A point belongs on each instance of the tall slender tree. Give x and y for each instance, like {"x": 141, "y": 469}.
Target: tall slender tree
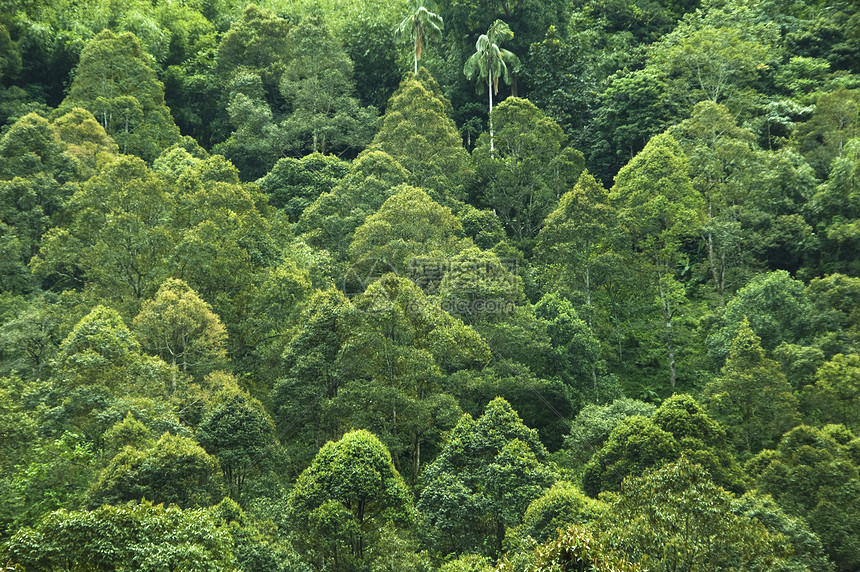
{"x": 420, "y": 25}
{"x": 490, "y": 62}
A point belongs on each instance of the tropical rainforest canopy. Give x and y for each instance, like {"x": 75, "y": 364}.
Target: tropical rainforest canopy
{"x": 386, "y": 285}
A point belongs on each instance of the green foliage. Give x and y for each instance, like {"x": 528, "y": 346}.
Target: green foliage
{"x": 575, "y": 548}
{"x": 419, "y": 27}
{"x": 813, "y": 476}
{"x": 634, "y": 445}
{"x": 181, "y": 329}
{"x": 679, "y": 427}
{"x": 408, "y": 226}
{"x": 256, "y": 43}
{"x": 833, "y": 397}
{"x": 29, "y": 147}
{"x": 752, "y": 398}
{"x": 544, "y": 404}
{"x": 660, "y": 210}
{"x": 418, "y": 132}
{"x": 805, "y": 551}
{"x": 294, "y": 184}
{"x": 318, "y": 85}
{"x": 424, "y": 283}
{"x": 575, "y": 244}
{"x": 575, "y": 356}
{"x": 240, "y": 434}
{"x": 341, "y": 501}
{"x": 633, "y": 108}
{"x": 476, "y": 285}
{"x": 525, "y": 168}
{"x": 561, "y": 83}
{"x": 116, "y": 83}
{"x": 98, "y": 352}
{"x": 558, "y": 508}
{"x": 116, "y": 238}
{"x": 175, "y": 470}
{"x": 483, "y": 481}
{"x": 774, "y": 305}
{"x": 834, "y": 122}
{"x": 677, "y": 518}
{"x": 709, "y": 62}
{"x": 330, "y": 221}
{"x": 594, "y": 424}
{"x": 127, "y": 433}
{"x": 490, "y": 63}
{"x": 131, "y": 537}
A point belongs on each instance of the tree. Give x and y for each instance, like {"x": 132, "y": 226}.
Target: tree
{"x": 180, "y": 328}
{"x": 116, "y": 83}
{"x": 833, "y": 397}
{"x": 835, "y": 208}
{"x": 85, "y": 139}
{"x": 116, "y": 238}
{"x": 575, "y": 244}
{"x": 175, "y": 470}
{"x": 376, "y": 71}
{"x": 478, "y": 286}
{"x": 490, "y": 62}
{"x": 342, "y": 500}
{"x": 141, "y": 536}
{"x": 813, "y": 474}
{"x": 99, "y": 351}
{"x": 834, "y": 301}
{"x": 256, "y": 43}
{"x": 574, "y": 548}
{"x": 660, "y": 210}
{"x": 10, "y": 57}
{"x": 805, "y": 551}
{"x": 420, "y": 26}
{"x": 530, "y": 168}
{"x": 318, "y": 85}
{"x": 575, "y": 356}
{"x": 483, "y": 480}
{"x": 634, "y": 107}
{"x": 836, "y": 120}
{"x": 294, "y": 184}
{"x": 676, "y": 518}
{"x": 30, "y": 147}
{"x": 711, "y": 62}
{"x": 679, "y": 427}
{"x": 635, "y": 444}
{"x": 400, "y": 348}
{"x": 330, "y": 221}
{"x": 722, "y": 161}
{"x": 776, "y": 308}
{"x": 594, "y": 424}
{"x": 240, "y": 434}
{"x": 407, "y": 227}
{"x": 752, "y": 398}
{"x": 558, "y": 508}
{"x": 561, "y": 81}
{"x": 418, "y": 132}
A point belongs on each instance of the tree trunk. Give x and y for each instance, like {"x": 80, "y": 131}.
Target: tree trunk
{"x": 490, "y": 115}
{"x": 588, "y": 317}
{"x": 712, "y": 262}
{"x": 670, "y": 344}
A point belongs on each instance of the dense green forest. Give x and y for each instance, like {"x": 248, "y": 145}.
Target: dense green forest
{"x": 393, "y": 286}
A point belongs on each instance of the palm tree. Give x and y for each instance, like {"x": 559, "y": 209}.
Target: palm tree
{"x": 490, "y": 61}
{"x": 420, "y": 26}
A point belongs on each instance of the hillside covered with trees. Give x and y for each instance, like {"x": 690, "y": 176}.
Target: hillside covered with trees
{"x": 400, "y": 286}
